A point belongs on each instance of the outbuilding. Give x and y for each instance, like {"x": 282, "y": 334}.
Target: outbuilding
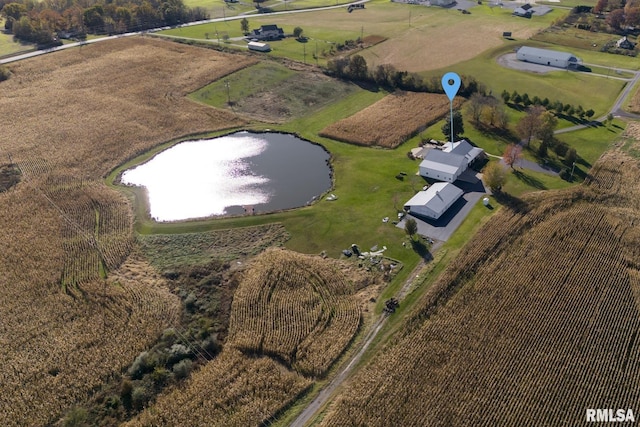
{"x": 260, "y": 47}
{"x": 434, "y": 201}
{"x": 442, "y": 166}
{"x": 547, "y": 57}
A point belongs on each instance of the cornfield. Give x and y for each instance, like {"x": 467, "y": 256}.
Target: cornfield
{"x": 289, "y": 311}
{"x": 535, "y": 322}
{"x": 392, "y": 120}
{"x": 296, "y": 309}
{"x": 77, "y": 303}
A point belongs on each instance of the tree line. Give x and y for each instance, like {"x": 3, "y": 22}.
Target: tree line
{"x": 355, "y": 68}
{"x": 46, "y": 22}
{"x": 554, "y": 106}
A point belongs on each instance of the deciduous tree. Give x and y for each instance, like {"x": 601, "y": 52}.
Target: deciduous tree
{"x": 511, "y": 155}
{"x": 297, "y": 32}
{"x": 494, "y": 175}
{"x": 244, "y": 26}
{"x": 411, "y": 227}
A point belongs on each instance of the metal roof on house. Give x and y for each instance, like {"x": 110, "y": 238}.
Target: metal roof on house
{"x": 546, "y": 53}
{"x": 438, "y": 198}
{"x": 463, "y": 148}
{"x": 446, "y": 162}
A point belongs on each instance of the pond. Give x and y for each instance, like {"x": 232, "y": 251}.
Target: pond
{"x": 236, "y": 174}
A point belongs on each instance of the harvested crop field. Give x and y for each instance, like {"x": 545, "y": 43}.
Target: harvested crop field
{"x": 392, "y": 120}
{"x": 536, "y": 321}
{"x": 77, "y": 304}
{"x": 88, "y": 109}
{"x": 292, "y": 316}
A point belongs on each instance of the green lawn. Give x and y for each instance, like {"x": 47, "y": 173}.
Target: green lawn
{"x": 564, "y": 86}
{"x": 262, "y": 76}
{"x": 9, "y": 47}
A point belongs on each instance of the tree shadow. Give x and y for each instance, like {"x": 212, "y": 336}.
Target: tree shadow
{"x": 529, "y": 180}
{"x": 421, "y": 249}
{"x": 511, "y": 202}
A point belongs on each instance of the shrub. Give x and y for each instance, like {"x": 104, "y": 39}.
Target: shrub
{"x": 139, "y": 397}
{"x": 182, "y": 369}
{"x": 561, "y": 149}
{"x": 4, "y": 73}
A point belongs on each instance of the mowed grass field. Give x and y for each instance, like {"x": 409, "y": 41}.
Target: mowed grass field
{"x": 419, "y": 38}
{"x": 564, "y": 86}
{"x": 504, "y": 325}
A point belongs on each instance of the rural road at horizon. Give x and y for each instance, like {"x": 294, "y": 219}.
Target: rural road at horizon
{"x": 153, "y": 30}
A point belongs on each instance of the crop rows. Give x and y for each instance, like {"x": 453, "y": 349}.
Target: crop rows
{"x": 530, "y": 335}
{"x": 390, "y": 121}
{"x": 292, "y": 315}
{"x": 58, "y": 348}
{"x": 231, "y": 390}
{"x": 289, "y": 306}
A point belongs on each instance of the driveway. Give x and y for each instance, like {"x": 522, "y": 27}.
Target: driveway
{"x": 442, "y": 228}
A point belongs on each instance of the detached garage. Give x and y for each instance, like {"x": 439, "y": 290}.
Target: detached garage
{"x": 547, "y": 57}
{"x": 435, "y": 201}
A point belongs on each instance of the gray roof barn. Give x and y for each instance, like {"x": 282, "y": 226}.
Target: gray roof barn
{"x": 552, "y": 58}
{"x": 463, "y": 148}
{"x": 435, "y": 201}
{"x": 438, "y": 159}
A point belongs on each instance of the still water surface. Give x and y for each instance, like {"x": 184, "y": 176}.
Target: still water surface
{"x": 232, "y": 175}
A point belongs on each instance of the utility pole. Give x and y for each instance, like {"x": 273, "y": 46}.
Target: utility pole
{"x": 226, "y": 83}
{"x": 304, "y": 53}
{"x": 572, "y": 169}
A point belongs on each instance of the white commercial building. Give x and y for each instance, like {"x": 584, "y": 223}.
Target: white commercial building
{"x": 547, "y": 57}
{"x": 435, "y": 201}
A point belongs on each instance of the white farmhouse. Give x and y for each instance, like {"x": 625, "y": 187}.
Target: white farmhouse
{"x": 547, "y": 57}
{"x": 442, "y": 166}
{"x": 463, "y": 148}
{"x": 435, "y": 201}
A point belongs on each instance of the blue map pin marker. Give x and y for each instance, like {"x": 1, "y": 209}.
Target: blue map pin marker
{"x": 451, "y": 84}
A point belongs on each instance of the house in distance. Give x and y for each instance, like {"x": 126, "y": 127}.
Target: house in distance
{"x": 267, "y": 32}
{"x": 625, "y": 43}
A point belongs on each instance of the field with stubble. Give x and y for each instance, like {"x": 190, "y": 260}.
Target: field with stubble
{"x": 76, "y": 305}
{"x": 519, "y": 331}
{"x": 392, "y": 120}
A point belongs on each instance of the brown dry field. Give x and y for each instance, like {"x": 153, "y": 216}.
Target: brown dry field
{"x": 292, "y": 316}
{"x": 85, "y": 110}
{"x": 519, "y": 331}
{"x": 390, "y": 121}
{"x": 67, "y": 119}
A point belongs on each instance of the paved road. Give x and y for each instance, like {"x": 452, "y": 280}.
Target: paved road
{"x": 137, "y": 33}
